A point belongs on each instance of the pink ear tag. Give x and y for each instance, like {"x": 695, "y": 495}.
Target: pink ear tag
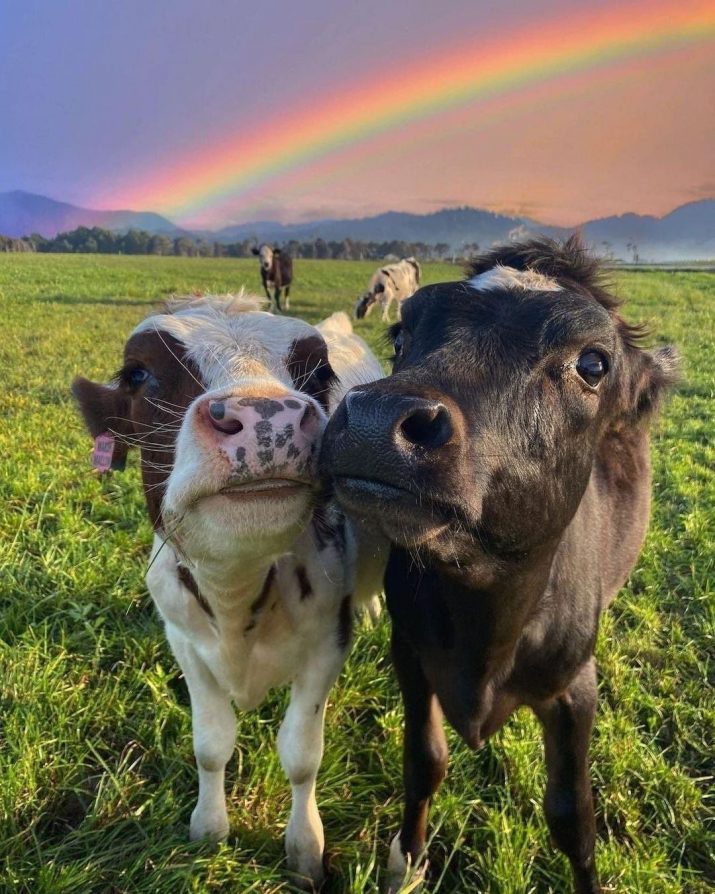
{"x": 103, "y": 452}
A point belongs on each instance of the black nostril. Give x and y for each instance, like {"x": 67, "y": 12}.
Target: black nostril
{"x": 429, "y": 426}
{"x": 217, "y": 418}
{"x": 227, "y": 426}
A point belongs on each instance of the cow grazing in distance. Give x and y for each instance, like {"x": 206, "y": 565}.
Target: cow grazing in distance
{"x": 391, "y": 282}
{"x": 253, "y": 573}
{"x": 507, "y": 460}
{"x": 276, "y": 274}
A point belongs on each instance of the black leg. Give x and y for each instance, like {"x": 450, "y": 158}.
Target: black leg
{"x": 287, "y": 296}
{"x": 567, "y": 722}
{"x": 277, "y": 299}
{"x": 425, "y": 752}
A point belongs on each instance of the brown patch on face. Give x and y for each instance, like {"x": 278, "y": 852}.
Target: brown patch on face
{"x": 310, "y": 368}
{"x": 172, "y": 384}
{"x": 154, "y": 388}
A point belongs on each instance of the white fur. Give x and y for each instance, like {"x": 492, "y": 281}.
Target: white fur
{"x": 239, "y": 654}
{"x": 399, "y": 281}
{"x": 265, "y": 256}
{"x": 500, "y": 277}
{"x": 230, "y": 338}
{"x": 401, "y": 875}
{"x": 351, "y": 358}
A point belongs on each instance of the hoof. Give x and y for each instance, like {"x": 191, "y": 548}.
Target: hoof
{"x": 208, "y": 827}
{"x": 306, "y": 867}
{"x": 307, "y": 877}
{"x": 402, "y": 876}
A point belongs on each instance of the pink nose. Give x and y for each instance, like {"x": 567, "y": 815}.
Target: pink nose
{"x": 262, "y": 436}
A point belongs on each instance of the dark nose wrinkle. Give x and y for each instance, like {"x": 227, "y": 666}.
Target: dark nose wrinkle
{"x": 307, "y": 415}
{"x": 350, "y": 399}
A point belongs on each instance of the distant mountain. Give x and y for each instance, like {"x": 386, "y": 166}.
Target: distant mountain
{"x": 22, "y": 213}
{"x": 687, "y": 233}
{"x": 454, "y": 226}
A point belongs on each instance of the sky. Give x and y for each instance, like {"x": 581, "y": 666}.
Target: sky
{"x": 220, "y": 112}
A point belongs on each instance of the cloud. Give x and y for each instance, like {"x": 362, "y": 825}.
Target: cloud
{"x": 516, "y": 209}
{"x": 703, "y": 191}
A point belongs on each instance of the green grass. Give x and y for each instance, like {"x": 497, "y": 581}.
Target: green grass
{"x": 98, "y": 779}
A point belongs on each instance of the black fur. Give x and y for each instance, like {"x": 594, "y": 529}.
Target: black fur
{"x": 515, "y": 495}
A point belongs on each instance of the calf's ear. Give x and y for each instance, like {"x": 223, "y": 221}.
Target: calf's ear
{"x": 254, "y": 250}
{"x": 105, "y": 409}
{"x": 655, "y": 374}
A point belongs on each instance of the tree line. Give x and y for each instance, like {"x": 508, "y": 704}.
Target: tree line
{"x": 96, "y": 240}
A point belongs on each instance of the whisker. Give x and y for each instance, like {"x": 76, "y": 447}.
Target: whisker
{"x": 178, "y": 359}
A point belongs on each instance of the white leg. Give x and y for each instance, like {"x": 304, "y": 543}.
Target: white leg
{"x": 214, "y": 730}
{"x": 400, "y": 873}
{"x": 300, "y": 745}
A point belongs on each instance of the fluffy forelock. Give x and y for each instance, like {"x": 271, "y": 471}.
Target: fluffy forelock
{"x": 568, "y": 265}
{"x": 229, "y": 303}
{"x": 230, "y": 337}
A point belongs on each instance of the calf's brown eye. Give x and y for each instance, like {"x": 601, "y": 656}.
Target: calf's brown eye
{"x": 592, "y": 366}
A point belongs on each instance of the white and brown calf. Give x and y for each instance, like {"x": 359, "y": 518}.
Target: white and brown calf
{"x": 252, "y": 572}
{"x": 393, "y": 282}
{"x": 276, "y": 274}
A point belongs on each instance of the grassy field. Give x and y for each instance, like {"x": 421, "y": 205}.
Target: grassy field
{"x": 96, "y": 767}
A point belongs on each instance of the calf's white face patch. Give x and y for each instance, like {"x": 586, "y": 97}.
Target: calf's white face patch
{"x": 500, "y": 277}
{"x": 246, "y": 446}
{"x": 234, "y": 344}
{"x": 265, "y": 255}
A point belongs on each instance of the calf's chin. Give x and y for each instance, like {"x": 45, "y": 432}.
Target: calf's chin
{"x": 265, "y": 525}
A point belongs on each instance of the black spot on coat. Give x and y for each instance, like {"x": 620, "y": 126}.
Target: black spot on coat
{"x": 260, "y": 600}
{"x": 306, "y": 589}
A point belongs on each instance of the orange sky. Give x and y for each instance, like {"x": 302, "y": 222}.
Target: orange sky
{"x": 96, "y": 106}
{"x": 640, "y": 137}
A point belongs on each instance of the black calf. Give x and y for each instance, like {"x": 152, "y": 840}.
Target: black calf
{"x": 507, "y": 461}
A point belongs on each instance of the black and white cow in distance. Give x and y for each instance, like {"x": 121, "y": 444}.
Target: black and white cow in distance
{"x": 276, "y": 273}
{"x": 507, "y": 460}
{"x": 253, "y": 574}
{"x": 391, "y": 282}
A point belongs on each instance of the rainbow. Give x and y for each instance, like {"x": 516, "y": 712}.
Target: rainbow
{"x": 239, "y": 166}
